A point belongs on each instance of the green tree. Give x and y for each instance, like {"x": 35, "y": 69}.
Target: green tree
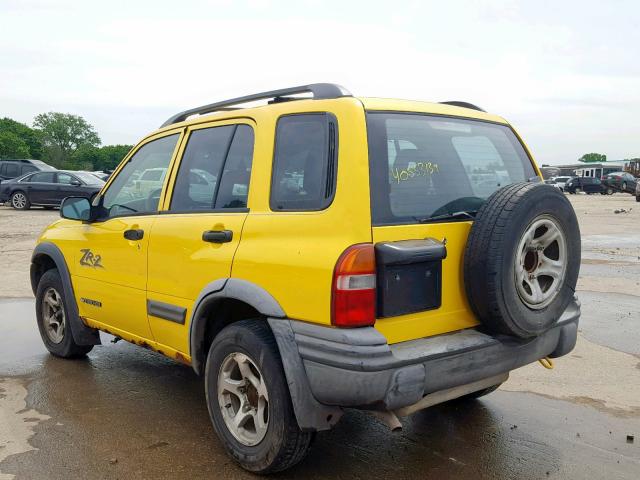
{"x": 62, "y": 134}
{"x": 113, "y": 155}
{"x": 29, "y": 136}
{"x": 12, "y": 146}
{"x": 593, "y": 158}
{"x": 86, "y": 157}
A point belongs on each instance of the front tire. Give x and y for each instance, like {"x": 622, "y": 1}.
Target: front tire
{"x": 249, "y": 402}
{"x": 52, "y": 314}
{"x": 20, "y": 201}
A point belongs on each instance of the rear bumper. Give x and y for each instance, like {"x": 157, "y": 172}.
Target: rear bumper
{"x": 357, "y": 368}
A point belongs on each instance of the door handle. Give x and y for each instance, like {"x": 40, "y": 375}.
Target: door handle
{"x": 134, "y": 234}
{"x": 217, "y": 236}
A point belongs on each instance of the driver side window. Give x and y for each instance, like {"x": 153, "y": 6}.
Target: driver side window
{"x": 137, "y": 187}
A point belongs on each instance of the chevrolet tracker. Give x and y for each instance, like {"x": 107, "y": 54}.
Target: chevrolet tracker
{"x": 317, "y": 253}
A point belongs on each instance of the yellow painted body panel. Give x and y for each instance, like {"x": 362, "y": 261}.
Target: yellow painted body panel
{"x": 454, "y": 313}
{"x": 181, "y": 265}
{"x": 119, "y": 284}
{"x": 291, "y": 255}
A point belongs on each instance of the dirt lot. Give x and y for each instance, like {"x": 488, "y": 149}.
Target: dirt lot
{"x": 580, "y": 420}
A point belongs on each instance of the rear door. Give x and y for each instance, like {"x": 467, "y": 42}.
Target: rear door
{"x": 195, "y": 237}
{"x": 429, "y": 176}
{"x": 39, "y": 187}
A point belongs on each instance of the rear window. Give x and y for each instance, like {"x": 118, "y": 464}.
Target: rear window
{"x": 424, "y": 166}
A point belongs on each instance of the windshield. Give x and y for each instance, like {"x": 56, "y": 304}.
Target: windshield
{"x": 424, "y": 166}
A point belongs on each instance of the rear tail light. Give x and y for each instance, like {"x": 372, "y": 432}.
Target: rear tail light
{"x": 354, "y": 287}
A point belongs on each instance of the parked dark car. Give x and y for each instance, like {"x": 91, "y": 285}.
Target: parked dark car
{"x": 587, "y": 185}
{"x": 48, "y": 188}
{"x": 619, "y": 182}
{"x": 16, "y": 168}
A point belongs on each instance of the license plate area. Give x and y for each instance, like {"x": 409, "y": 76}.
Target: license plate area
{"x": 409, "y": 277}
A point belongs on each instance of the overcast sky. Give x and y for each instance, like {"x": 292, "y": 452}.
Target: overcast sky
{"x": 565, "y": 73}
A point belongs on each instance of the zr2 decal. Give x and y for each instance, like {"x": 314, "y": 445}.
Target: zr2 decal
{"x": 89, "y": 259}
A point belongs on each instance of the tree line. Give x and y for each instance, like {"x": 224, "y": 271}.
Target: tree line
{"x": 62, "y": 140}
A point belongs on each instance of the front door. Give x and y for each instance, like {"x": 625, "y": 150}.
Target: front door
{"x": 68, "y": 186}
{"x": 111, "y": 270}
{"x": 194, "y": 240}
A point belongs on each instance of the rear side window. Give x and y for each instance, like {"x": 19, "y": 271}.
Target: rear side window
{"x": 42, "y": 177}
{"x": 215, "y": 169}
{"x": 304, "y": 168}
{"x": 11, "y": 170}
{"x": 28, "y": 169}
{"x": 424, "y": 166}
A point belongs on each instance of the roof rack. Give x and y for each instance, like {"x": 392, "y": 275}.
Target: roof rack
{"x": 456, "y": 103}
{"x": 319, "y": 91}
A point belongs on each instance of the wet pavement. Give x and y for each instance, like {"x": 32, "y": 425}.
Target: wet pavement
{"x": 126, "y": 412}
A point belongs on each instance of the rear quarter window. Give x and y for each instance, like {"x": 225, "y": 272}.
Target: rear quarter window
{"x": 304, "y": 165}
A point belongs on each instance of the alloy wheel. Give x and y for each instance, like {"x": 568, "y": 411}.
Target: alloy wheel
{"x": 53, "y": 317}
{"x": 19, "y": 200}
{"x": 243, "y": 398}
{"x": 541, "y": 262}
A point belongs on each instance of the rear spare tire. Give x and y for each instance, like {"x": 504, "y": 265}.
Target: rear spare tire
{"x": 522, "y": 259}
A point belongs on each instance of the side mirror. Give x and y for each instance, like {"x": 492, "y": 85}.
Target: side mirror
{"x": 76, "y": 208}
{"x": 75, "y": 183}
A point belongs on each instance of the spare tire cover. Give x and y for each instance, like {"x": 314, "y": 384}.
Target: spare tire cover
{"x": 522, "y": 259}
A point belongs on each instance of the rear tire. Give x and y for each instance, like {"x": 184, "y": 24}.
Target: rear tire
{"x": 52, "y": 314}
{"x": 20, "y": 201}
{"x": 244, "y": 376}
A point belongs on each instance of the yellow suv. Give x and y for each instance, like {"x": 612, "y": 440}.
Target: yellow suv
{"x": 316, "y": 253}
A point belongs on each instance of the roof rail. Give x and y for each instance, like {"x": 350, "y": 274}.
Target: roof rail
{"x": 319, "y": 91}
{"x": 456, "y": 103}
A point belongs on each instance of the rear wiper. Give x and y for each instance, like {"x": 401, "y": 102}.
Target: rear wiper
{"x": 449, "y": 216}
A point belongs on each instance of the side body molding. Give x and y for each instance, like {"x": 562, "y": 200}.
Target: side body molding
{"x": 82, "y": 334}
{"x": 222, "y": 289}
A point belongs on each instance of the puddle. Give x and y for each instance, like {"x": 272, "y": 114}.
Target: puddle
{"x": 17, "y": 423}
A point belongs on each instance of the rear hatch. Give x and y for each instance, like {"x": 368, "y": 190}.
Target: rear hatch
{"x": 429, "y": 176}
